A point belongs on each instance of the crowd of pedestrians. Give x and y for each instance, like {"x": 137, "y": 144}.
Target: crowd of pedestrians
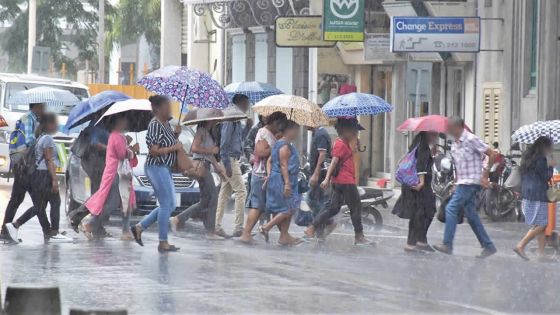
{"x": 273, "y": 193}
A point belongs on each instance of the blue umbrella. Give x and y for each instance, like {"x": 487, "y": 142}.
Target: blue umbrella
{"x": 355, "y": 104}
{"x": 256, "y": 91}
{"x": 54, "y": 98}
{"x": 188, "y": 86}
{"x": 88, "y": 109}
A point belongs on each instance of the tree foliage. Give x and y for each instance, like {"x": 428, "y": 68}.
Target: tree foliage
{"x": 132, "y": 19}
{"x": 59, "y": 23}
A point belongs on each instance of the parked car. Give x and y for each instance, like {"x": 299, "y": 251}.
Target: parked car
{"x": 187, "y": 190}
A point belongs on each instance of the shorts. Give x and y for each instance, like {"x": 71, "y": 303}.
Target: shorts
{"x": 257, "y": 196}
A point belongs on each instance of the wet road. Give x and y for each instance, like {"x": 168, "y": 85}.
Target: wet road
{"x": 333, "y": 277}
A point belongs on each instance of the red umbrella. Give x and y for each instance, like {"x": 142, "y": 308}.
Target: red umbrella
{"x": 436, "y": 123}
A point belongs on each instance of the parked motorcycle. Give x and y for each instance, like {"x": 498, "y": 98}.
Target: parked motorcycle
{"x": 501, "y": 202}
{"x": 443, "y": 174}
{"x": 371, "y": 199}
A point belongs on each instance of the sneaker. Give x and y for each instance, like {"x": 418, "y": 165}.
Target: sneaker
{"x": 59, "y": 238}
{"x": 12, "y": 231}
{"x": 363, "y": 242}
{"x": 443, "y": 248}
{"x": 487, "y": 252}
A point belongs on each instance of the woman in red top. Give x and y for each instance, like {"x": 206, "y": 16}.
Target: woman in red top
{"x": 341, "y": 173}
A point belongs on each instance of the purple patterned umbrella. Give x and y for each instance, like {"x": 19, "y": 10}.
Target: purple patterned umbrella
{"x": 188, "y": 86}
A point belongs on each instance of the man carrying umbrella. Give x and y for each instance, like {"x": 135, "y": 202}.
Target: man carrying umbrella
{"x": 231, "y": 150}
{"x": 26, "y": 126}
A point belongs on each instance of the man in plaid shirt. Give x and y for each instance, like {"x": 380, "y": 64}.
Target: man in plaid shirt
{"x": 468, "y": 153}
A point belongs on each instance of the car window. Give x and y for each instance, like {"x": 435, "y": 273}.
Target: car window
{"x": 186, "y": 138}
{"x": 13, "y": 88}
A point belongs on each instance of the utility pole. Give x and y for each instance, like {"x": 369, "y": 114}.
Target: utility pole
{"x": 101, "y": 42}
{"x": 31, "y": 34}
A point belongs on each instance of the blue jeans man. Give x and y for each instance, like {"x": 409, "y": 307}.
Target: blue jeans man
{"x": 464, "y": 197}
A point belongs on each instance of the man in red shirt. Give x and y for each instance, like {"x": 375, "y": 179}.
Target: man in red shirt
{"x": 341, "y": 174}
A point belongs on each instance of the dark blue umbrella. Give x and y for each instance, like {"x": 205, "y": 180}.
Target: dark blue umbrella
{"x": 88, "y": 109}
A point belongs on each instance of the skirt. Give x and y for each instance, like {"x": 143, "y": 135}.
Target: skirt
{"x": 536, "y": 212}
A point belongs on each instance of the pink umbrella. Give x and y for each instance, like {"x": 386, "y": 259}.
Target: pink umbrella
{"x": 434, "y": 123}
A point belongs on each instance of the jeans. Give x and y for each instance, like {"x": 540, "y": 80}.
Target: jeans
{"x": 233, "y": 184}
{"x": 464, "y": 197}
{"x": 207, "y": 203}
{"x": 162, "y": 182}
{"x": 341, "y": 193}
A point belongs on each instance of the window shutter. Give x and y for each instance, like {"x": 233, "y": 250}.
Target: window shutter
{"x": 492, "y": 106}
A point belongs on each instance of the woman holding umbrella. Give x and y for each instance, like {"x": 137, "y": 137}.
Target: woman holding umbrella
{"x": 108, "y": 197}
{"x": 163, "y": 146}
{"x": 204, "y": 150}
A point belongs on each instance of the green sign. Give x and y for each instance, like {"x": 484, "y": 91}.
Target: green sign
{"x": 343, "y": 20}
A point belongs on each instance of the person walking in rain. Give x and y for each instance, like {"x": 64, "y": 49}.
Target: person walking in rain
{"x": 45, "y": 184}
{"x": 93, "y": 162}
{"x": 112, "y": 194}
{"x": 468, "y": 153}
{"x": 231, "y": 151}
{"x": 320, "y": 153}
{"x": 204, "y": 149}
{"x": 344, "y": 189}
{"x": 27, "y": 123}
{"x": 418, "y": 203}
{"x": 163, "y": 145}
{"x": 256, "y": 202}
{"x": 537, "y": 167}
{"x": 282, "y": 196}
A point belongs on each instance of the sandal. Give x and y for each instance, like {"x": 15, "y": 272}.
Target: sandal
{"x": 264, "y": 233}
{"x": 137, "y": 233}
{"x": 521, "y": 254}
{"x": 171, "y": 248}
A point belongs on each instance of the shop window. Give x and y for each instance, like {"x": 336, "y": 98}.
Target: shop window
{"x": 238, "y": 58}
{"x": 261, "y": 57}
{"x": 284, "y": 70}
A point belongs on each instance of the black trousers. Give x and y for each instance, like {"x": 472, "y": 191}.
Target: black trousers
{"x": 341, "y": 194}
{"x": 418, "y": 230}
{"x": 41, "y": 193}
{"x": 94, "y": 166}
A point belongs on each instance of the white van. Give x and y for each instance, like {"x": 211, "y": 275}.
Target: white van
{"x": 10, "y": 84}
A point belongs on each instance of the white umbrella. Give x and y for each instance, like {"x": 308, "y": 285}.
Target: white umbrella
{"x": 140, "y": 109}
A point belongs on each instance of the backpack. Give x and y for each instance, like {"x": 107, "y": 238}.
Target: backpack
{"x": 18, "y": 145}
{"x": 406, "y": 172}
{"x": 27, "y": 164}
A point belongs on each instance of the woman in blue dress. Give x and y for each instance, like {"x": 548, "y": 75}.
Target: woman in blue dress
{"x": 282, "y": 185}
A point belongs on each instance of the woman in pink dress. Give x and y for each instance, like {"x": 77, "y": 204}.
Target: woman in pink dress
{"x": 116, "y": 188}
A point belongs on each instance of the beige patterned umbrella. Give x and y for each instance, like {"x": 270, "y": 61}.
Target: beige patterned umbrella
{"x": 296, "y": 108}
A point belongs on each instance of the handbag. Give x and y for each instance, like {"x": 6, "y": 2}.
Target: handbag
{"x": 553, "y": 194}
{"x": 441, "y": 211}
{"x": 406, "y": 172}
{"x": 183, "y": 162}
{"x": 197, "y": 169}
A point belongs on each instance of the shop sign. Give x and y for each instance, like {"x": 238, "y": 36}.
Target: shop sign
{"x": 435, "y": 34}
{"x": 300, "y": 31}
{"x": 378, "y": 47}
{"x": 343, "y": 20}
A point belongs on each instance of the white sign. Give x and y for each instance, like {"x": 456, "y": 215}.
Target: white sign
{"x": 429, "y": 34}
{"x": 377, "y": 47}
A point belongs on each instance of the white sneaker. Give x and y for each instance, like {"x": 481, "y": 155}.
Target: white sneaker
{"x": 12, "y": 232}
{"x": 59, "y": 238}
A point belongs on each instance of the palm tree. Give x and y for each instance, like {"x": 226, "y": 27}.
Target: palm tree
{"x": 58, "y": 24}
{"x": 132, "y": 19}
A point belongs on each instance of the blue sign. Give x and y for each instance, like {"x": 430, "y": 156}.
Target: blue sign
{"x": 435, "y": 34}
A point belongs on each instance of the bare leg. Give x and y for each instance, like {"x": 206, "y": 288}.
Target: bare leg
{"x": 531, "y": 234}
{"x": 541, "y": 242}
{"x": 252, "y": 219}
{"x": 276, "y": 220}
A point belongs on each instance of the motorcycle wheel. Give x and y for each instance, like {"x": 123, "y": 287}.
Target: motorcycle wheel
{"x": 499, "y": 203}
{"x": 372, "y": 217}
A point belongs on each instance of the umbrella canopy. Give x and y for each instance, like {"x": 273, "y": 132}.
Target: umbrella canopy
{"x": 530, "y": 133}
{"x": 355, "y": 104}
{"x": 90, "y": 108}
{"x": 212, "y": 114}
{"x": 188, "y": 86}
{"x": 139, "y": 112}
{"x": 51, "y": 96}
{"x": 256, "y": 91}
{"x": 296, "y": 108}
{"x": 435, "y": 123}
{"x": 234, "y": 113}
